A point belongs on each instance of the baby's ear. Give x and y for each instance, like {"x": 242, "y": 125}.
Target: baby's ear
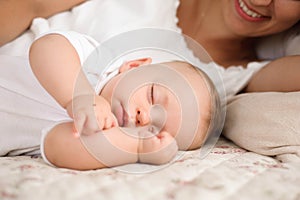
{"x": 134, "y": 63}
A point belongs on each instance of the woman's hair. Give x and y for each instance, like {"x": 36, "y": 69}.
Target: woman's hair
{"x": 294, "y": 30}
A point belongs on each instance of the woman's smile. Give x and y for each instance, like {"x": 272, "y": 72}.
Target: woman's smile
{"x": 247, "y": 13}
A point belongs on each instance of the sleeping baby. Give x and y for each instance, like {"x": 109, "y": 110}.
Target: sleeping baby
{"x": 143, "y": 112}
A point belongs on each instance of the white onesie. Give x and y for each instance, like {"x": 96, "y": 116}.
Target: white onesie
{"x": 26, "y": 109}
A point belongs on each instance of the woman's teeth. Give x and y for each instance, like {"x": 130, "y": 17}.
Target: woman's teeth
{"x": 249, "y": 12}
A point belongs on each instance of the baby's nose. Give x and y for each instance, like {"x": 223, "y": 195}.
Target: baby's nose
{"x": 142, "y": 117}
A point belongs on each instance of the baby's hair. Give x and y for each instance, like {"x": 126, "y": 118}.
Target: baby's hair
{"x": 215, "y": 118}
{"x": 215, "y": 121}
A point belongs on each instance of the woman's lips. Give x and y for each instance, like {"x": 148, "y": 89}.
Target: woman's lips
{"x": 248, "y": 14}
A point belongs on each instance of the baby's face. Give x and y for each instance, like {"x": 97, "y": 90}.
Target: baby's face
{"x": 140, "y": 102}
{"x": 134, "y": 110}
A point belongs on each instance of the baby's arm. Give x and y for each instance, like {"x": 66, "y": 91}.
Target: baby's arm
{"x": 63, "y": 149}
{"x": 57, "y": 66}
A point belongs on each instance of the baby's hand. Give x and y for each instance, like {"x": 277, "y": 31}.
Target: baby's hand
{"x": 157, "y": 149}
{"x": 91, "y": 113}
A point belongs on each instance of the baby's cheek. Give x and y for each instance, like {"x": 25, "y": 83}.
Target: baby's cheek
{"x": 172, "y": 125}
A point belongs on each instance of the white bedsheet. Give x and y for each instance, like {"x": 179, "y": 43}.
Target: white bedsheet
{"x": 228, "y": 172}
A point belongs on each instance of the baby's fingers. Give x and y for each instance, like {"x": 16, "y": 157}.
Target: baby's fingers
{"x": 86, "y": 125}
{"x": 110, "y": 122}
{"x": 79, "y": 121}
{"x": 92, "y": 125}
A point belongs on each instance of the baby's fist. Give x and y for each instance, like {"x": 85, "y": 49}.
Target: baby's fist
{"x": 157, "y": 149}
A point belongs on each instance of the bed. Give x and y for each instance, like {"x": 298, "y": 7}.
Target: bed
{"x": 227, "y": 172}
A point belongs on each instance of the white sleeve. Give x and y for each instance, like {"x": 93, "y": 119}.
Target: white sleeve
{"x": 83, "y": 44}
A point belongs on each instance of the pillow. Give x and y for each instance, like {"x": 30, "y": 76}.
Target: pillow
{"x": 266, "y": 123}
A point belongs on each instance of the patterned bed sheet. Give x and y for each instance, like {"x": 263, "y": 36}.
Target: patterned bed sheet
{"x": 228, "y": 172}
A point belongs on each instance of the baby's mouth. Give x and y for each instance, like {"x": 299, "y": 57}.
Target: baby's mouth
{"x": 125, "y": 117}
{"x": 122, "y": 116}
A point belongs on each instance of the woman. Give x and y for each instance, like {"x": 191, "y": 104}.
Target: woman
{"x": 229, "y": 29}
